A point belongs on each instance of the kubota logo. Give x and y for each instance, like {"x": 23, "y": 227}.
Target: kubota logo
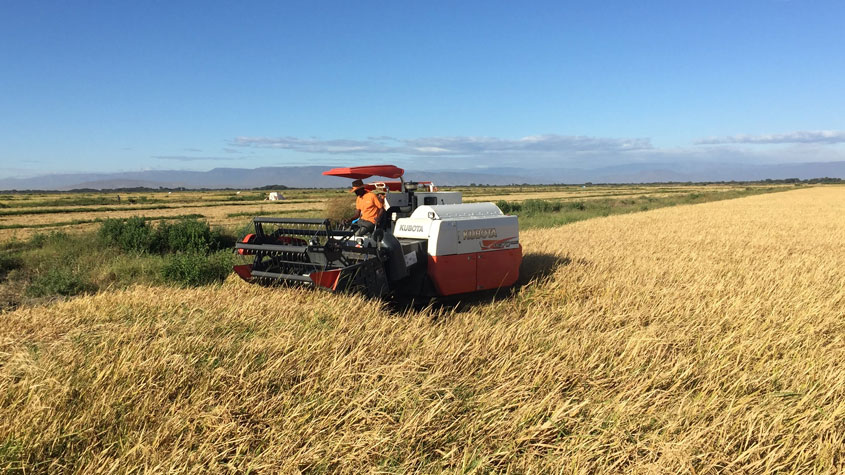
{"x": 411, "y": 228}
{"x": 483, "y": 233}
{"x": 499, "y": 244}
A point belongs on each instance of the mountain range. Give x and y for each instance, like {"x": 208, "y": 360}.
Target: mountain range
{"x": 311, "y": 176}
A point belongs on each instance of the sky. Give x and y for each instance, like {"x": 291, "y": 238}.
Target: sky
{"x": 90, "y": 86}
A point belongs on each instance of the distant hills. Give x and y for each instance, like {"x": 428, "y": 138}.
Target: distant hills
{"x": 311, "y": 176}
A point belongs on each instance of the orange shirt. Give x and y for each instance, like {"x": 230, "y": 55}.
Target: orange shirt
{"x": 369, "y": 205}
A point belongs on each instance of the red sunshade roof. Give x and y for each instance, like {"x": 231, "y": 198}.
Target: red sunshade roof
{"x": 367, "y": 171}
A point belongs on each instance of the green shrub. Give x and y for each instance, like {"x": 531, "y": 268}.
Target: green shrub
{"x": 8, "y": 262}
{"x": 534, "y": 206}
{"x": 58, "y": 281}
{"x": 56, "y": 239}
{"x": 507, "y": 207}
{"x": 37, "y": 240}
{"x": 192, "y": 235}
{"x": 540, "y": 206}
{"x": 132, "y": 235}
{"x": 186, "y": 235}
{"x": 191, "y": 269}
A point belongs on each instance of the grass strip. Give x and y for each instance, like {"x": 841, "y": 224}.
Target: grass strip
{"x": 273, "y": 214}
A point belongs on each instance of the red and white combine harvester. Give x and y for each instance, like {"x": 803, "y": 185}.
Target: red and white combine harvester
{"x": 427, "y": 244}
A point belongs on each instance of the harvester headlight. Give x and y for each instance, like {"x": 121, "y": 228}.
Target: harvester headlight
{"x": 410, "y": 186}
{"x": 431, "y": 215}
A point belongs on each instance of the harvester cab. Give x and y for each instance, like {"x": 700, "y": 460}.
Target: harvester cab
{"x": 428, "y": 243}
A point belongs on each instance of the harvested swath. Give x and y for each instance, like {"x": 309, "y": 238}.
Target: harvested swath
{"x": 210, "y": 212}
{"x": 35, "y": 210}
{"x": 700, "y": 339}
{"x": 14, "y": 233}
{"x": 17, "y": 201}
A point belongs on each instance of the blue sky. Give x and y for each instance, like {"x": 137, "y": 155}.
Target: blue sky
{"x": 121, "y": 86}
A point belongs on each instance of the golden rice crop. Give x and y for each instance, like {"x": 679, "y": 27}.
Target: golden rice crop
{"x": 693, "y": 339}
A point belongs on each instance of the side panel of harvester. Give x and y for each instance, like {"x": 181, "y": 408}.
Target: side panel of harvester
{"x": 470, "y": 246}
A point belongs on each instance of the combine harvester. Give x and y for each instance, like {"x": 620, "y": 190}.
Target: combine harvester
{"x": 427, "y": 244}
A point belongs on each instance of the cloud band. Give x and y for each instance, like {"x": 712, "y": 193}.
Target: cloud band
{"x": 800, "y": 137}
{"x": 450, "y": 146}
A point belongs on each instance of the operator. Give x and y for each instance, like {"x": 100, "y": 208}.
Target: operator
{"x": 368, "y": 209}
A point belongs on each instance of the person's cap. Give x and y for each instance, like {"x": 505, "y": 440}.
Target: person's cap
{"x": 356, "y": 185}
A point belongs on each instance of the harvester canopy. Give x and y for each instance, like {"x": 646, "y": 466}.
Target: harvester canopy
{"x": 361, "y": 173}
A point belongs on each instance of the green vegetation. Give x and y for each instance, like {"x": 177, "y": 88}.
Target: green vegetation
{"x": 194, "y": 269}
{"x": 247, "y": 197}
{"x": 187, "y": 235}
{"x": 122, "y": 252}
{"x": 8, "y": 263}
{"x": 535, "y": 213}
{"x": 58, "y": 281}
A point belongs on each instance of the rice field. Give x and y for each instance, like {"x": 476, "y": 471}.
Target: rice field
{"x": 18, "y": 221}
{"x": 693, "y": 339}
{"x": 25, "y": 214}
{"x": 595, "y": 192}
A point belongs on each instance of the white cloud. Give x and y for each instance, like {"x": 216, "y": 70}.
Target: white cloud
{"x": 545, "y": 150}
{"x": 798, "y": 137}
{"x": 461, "y": 146}
{"x": 191, "y": 158}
